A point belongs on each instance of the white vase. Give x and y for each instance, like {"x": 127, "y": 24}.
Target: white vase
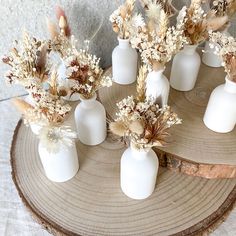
{"x": 63, "y": 81}
{"x": 35, "y": 128}
{"x": 124, "y": 63}
{"x": 185, "y": 68}
{"x": 138, "y": 172}
{"x": 220, "y": 115}
{"x": 90, "y": 120}
{"x": 209, "y": 57}
{"x": 158, "y": 87}
{"x": 60, "y": 166}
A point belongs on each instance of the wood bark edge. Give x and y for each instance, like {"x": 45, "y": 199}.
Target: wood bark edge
{"x": 181, "y": 165}
{"x": 202, "y": 228}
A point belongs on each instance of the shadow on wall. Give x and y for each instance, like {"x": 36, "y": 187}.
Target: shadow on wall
{"x": 87, "y": 17}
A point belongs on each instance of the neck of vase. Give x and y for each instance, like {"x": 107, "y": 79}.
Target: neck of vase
{"x": 139, "y": 154}
{"x": 123, "y": 43}
{"x": 88, "y": 103}
{"x": 190, "y": 49}
{"x": 230, "y": 86}
{"x": 156, "y": 75}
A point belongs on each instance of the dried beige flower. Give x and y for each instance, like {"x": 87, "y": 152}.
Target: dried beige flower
{"x": 144, "y": 123}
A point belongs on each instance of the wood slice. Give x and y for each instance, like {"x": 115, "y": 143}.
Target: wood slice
{"x": 92, "y": 202}
{"x": 195, "y": 150}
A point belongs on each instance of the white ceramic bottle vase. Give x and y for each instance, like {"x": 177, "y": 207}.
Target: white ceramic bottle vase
{"x": 124, "y": 63}
{"x": 220, "y": 115}
{"x": 60, "y": 166}
{"x": 138, "y": 172}
{"x": 209, "y": 57}
{"x": 185, "y": 68}
{"x": 90, "y": 120}
{"x": 158, "y": 87}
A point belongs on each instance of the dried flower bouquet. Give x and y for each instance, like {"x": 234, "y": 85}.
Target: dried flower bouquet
{"x": 224, "y": 7}
{"x": 225, "y": 47}
{"x": 141, "y": 120}
{"x": 156, "y": 40}
{"x": 169, "y": 9}
{"x": 85, "y": 74}
{"x": 124, "y": 21}
{"x": 47, "y": 107}
{"x": 197, "y": 23}
{"x": 61, "y": 41}
{"x": 28, "y": 61}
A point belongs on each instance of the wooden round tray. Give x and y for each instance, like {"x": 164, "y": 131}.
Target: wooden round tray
{"x": 195, "y": 150}
{"x": 92, "y": 202}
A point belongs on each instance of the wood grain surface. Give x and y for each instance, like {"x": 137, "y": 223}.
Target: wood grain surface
{"x": 92, "y": 203}
{"x": 195, "y": 150}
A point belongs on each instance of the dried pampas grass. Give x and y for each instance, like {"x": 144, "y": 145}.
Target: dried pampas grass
{"x": 137, "y": 127}
{"x": 215, "y": 23}
{"x": 118, "y": 128}
{"x": 21, "y": 105}
{"x": 52, "y": 29}
{"x": 63, "y": 22}
{"x": 141, "y": 83}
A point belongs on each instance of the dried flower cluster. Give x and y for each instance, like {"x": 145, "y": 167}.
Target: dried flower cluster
{"x": 141, "y": 120}
{"x": 225, "y": 47}
{"x": 169, "y": 9}
{"x": 124, "y": 22}
{"x": 198, "y": 23}
{"x": 46, "y": 107}
{"x": 52, "y": 137}
{"x": 224, "y": 7}
{"x": 28, "y": 60}
{"x": 85, "y": 74}
{"x": 156, "y": 41}
{"x": 61, "y": 40}
{"x": 144, "y": 123}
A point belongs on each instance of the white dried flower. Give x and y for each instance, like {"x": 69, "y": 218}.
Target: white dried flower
{"x": 53, "y": 138}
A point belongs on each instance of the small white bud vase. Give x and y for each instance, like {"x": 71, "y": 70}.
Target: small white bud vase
{"x": 60, "y": 166}
{"x": 220, "y": 115}
{"x": 185, "y": 68}
{"x": 35, "y": 128}
{"x": 158, "y": 87}
{"x": 90, "y": 119}
{"x": 124, "y": 63}
{"x": 138, "y": 172}
{"x": 209, "y": 57}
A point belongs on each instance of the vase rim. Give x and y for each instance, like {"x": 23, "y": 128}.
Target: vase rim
{"x": 133, "y": 148}
{"x": 229, "y": 80}
{"x": 159, "y": 71}
{"x": 93, "y": 98}
{"x": 191, "y": 45}
{"x": 123, "y": 40}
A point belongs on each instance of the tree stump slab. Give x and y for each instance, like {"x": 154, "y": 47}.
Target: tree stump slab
{"x": 195, "y": 150}
{"x": 92, "y": 203}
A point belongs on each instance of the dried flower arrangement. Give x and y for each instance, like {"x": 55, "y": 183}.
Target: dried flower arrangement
{"x": 142, "y": 121}
{"x": 198, "y": 23}
{"x": 52, "y": 137}
{"x": 47, "y": 107}
{"x": 224, "y": 7}
{"x": 85, "y": 74}
{"x": 61, "y": 41}
{"x": 169, "y": 9}
{"x": 156, "y": 40}
{"x": 28, "y": 60}
{"x": 124, "y": 22}
{"x": 225, "y": 47}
